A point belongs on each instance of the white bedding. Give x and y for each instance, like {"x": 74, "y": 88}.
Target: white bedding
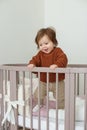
{"x": 52, "y": 126}
{"x": 52, "y": 113}
{"x": 79, "y": 124}
{"x": 79, "y": 102}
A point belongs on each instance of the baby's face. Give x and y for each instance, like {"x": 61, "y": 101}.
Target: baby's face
{"x": 45, "y": 44}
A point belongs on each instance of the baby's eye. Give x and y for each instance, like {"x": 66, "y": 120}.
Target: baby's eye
{"x": 46, "y": 43}
{"x": 40, "y": 45}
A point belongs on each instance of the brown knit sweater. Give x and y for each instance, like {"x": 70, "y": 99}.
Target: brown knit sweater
{"x": 57, "y": 56}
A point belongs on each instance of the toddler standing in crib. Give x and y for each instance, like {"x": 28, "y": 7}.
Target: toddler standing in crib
{"x": 51, "y": 56}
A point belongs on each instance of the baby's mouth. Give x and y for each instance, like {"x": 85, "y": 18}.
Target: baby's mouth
{"x": 46, "y": 50}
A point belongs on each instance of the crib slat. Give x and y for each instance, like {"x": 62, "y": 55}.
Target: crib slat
{"x": 39, "y": 123}
{"x": 5, "y": 77}
{"x": 31, "y": 117}
{"x": 1, "y": 98}
{"x": 85, "y": 121}
{"x": 47, "y": 101}
{"x": 13, "y": 95}
{"x": 67, "y": 102}
{"x": 57, "y": 126}
{"x": 72, "y": 101}
{"x": 23, "y": 99}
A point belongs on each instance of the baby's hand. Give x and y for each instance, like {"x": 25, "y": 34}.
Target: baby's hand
{"x": 53, "y": 66}
{"x": 31, "y": 66}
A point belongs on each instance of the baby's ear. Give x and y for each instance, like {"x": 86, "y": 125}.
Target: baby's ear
{"x": 54, "y": 45}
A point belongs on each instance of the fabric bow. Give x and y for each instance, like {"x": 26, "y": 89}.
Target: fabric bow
{"x": 10, "y": 110}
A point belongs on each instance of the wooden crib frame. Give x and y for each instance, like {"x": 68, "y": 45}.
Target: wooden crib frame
{"x": 72, "y": 73}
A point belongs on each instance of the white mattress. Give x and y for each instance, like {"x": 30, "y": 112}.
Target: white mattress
{"x": 52, "y": 126}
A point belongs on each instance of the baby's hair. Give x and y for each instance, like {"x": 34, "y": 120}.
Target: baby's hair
{"x": 50, "y": 32}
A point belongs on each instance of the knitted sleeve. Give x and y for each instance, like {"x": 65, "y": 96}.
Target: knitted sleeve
{"x": 61, "y": 58}
{"x": 35, "y": 60}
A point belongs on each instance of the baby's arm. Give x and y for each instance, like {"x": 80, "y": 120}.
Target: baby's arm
{"x": 31, "y": 66}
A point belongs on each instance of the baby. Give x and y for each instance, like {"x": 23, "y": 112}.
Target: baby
{"x": 51, "y": 56}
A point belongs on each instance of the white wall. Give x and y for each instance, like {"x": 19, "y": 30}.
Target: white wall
{"x": 69, "y": 17}
{"x": 19, "y": 22}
